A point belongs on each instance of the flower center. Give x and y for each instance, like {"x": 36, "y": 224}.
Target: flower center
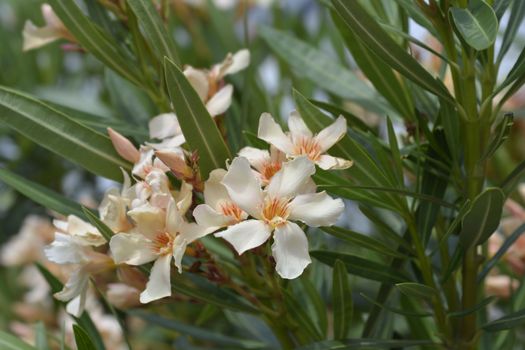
{"x": 269, "y": 170}
{"x": 232, "y": 210}
{"x": 307, "y": 146}
{"x": 163, "y": 243}
{"x": 275, "y": 211}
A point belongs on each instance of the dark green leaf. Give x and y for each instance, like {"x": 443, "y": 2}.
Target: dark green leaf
{"x": 509, "y": 241}
{"x": 378, "y": 41}
{"x": 475, "y": 308}
{"x": 416, "y": 290}
{"x": 342, "y": 302}
{"x": 82, "y": 339}
{"x": 350, "y": 344}
{"x": 483, "y": 218}
{"x": 306, "y": 324}
{"x": 396, "y": 310}
{"x": 378, "y": 72}
{"x": 41, "y": 195}
{"x": 500, "y": 135}
{"x": 352, "y": 120}
{"x": 477, "y": 24}
{"x": 510, "y": 321}
{"x": 363, "y": 241}
{"x": 196, "y": 332}
{"x": 57, "y": 132}
{"x": 361, "y": 267}
{"x": 197, "y": 125}
{"x": 316, "y": 304}
{"x": 93, "y": 38}
{"x": 154, "y": 30}
{"x": 327, "y": 74}
{"x": 104, "y": 230}
{"x": 517, "y": 13}
{"x": 511, "y": 181}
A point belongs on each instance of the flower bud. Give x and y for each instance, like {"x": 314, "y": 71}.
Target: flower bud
{"x": 123, "y": 146}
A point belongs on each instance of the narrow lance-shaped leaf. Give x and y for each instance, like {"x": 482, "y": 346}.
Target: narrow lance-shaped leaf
{"x": 517, "y": 13}
{"x": 154, "y": 30}
{"x": 93, "y": 38}
{"x": 104, "y": 230}
{"x": 417, "y": 290}
{"x": 341, "y": 301}
{"x": 361, "y": 267}
{"x": 511, "y": 181}
{"x": 41, "y": 195}
{"x": 11, "y": 342}
{"x": 57, "y": 132}
{"x": 477, "y": 24}
{"x": 378, "y": 72}
{"x": 197, "y": 125}
{"x": 372, "y": 35}
{"x": 483, "y": 217}
{"x": 313, "y": 64}
{"x": 510, "y": 321}
{"x": 82, "y": 339}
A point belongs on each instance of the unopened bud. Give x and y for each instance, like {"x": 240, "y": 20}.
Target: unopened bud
{"x": 123, "y": 146}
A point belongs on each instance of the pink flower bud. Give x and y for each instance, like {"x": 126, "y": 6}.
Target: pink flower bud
{"x": 123, "y": 146}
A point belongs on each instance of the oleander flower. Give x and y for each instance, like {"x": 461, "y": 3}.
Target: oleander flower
{"x": 159, "y": 236}
{"x": 219, "y": 210}
{"x": 114, "y": 206}
{"x": 210, "y": 87}
{"x": 275, "y": 210}
{"x": 147, "y": 163}
{"x": 36, "y": 37}
{"x": 266, "y": 163}
{"x": 73, "y": 245}
{"x": 301, "y": 141}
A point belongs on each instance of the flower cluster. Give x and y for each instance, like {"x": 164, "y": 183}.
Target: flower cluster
{"x": 164, "y": 206}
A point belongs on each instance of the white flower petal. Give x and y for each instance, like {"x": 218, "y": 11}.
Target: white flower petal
{"x": 256, "y": 157}
{"x": 150, "y": 220}
{"x": 75, "y": 285}
{"x": 246, "y": 235}
{"x": 290, "y": 250}
{"x": 316, "y": 209}
{"x": 168, "y": 143}
{"x": 77, "y": 305}
{"x": 240, "y": 60}
{"x": 131, "y": 248}
{"x": 145, "y": 163}
{"x": 214, "y": 191}
{"x": 35, "y": 37}
{"x": 65, "y": 250}
{"x": 272, "y": 133}
{"x": 163, "y": 126}
{"x": 206, "y": 216}
{"x": 297, "y": 126}
{"x": 179, "y": 248}
{"x": 173, "y": 218}
{"x": 184, "y": 198}
{"x": 330, "y": 135}
{"x": 159, "y": 285}
{"x": 243, "y": 187}
{"x": 292, "y": 178}
{"x": 327, "y": 162}
{"x": 221, "y": 101}
{"x": 83, "y": 232}
{"x": 191, "y": 231}
{"x": 198, "y": 80}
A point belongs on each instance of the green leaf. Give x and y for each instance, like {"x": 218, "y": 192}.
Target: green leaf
{"x": 57, "y": 132}
{"x": 417, "y": 15}
{"x": 94, "y": 39}
{"x": 361, "y": 267}
{"x": 517, "y": 13}
{"x": 473, "y": 309}
{"x": 501, "y": 134}
{"x": 196, "y": 332}
{"x": 317, "y": 305}
{"x": 311, "y": 63}
{"x": 509, "y": 241}
{"x": 396, "y": 310}
{"x": 477, "y": 24}
{"x": 104, "y": 230}
{"x": 197, "y": 125}
{"x": 378, "y": 72}
{"x": 396, "y": 154}
{"x": 483, "y": 218}
{"x": 363, "y": 241}
{"x": 154, "y": 30}
{"x": 351, "y": 120}
{"x": 416, "y": 290}
{"x": 379, "y": 42}
{"x": 84, "y": 320}
{"x": 510, "y": 321}
{"x": 305, "y": 323}
{"x": 82, "y": 339}
{"x": 342, "y": 303}
{"x": 41, "y": 195}
{"x": 41, "y": 336}
{"x": 511, "y": 181}
{"x": 350, "y": 344}
{"x": 10, "y": 342}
